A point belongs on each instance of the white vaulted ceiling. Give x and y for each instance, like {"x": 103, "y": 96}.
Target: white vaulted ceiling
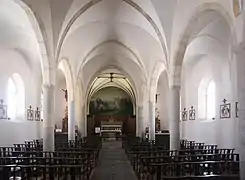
{"x": 17, "y": 33}
{"x": 111, "y": 78}
{"x": 132, "y": 25}
{"x": 134, "y": 36}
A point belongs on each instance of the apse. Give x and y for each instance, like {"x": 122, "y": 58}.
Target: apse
{"x": 111, "y": 100}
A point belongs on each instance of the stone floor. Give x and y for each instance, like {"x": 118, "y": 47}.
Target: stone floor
{"x": 113, "y": 163}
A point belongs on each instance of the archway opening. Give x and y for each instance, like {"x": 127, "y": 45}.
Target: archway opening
{"x": 16, "y": 97}
{"x": 111, "y": 105}
{"x": 162, "y": 119}
{"x": 61, "y": 102}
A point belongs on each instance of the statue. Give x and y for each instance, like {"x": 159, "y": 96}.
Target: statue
{"x": 65, "y": 119}
{"x": 66, "y": 94}
{"x": 111, "y": 119}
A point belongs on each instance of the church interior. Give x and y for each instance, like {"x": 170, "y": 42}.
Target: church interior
{"x": 116, "y": 89}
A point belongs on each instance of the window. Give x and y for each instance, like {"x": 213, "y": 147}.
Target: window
{"x": 206, "y": 99}
{"x": 211, "y": 100}
{"x": 16, "y": 97}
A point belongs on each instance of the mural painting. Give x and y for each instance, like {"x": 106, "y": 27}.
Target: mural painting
{"x": 111, "y": 101}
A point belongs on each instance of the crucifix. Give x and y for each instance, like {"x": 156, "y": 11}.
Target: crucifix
{"x": 65, "y": 119}
{"x": 224, "y": 101}
{"x": 66, "y": 94}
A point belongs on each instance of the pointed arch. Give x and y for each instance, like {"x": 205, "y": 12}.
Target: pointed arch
{"x": 198, "y": 19}
{"x": 65, "y": 67}
{"x": 16, "y": 97}
{"x": 41, "y": 35}
{"x": 206, "y": 99}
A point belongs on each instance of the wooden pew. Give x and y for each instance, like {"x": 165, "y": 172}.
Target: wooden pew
{"x": 150, "y": 160}
{"x": 135, "y": 159}
{"x": 144, "y": 168}
{"x": 28, "y": 161}
{"x": 44, "y": 172}
{"x": 220, "y": 170}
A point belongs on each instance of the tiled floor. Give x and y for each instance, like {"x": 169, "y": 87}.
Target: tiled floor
{"x": 113, "y": 163}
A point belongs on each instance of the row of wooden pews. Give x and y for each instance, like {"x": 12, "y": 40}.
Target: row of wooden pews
{"x": 72, "y": 160}
{"x": 193, "y": 161}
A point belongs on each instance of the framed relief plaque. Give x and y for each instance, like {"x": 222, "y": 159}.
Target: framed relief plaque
{"x": 225, "y": 110}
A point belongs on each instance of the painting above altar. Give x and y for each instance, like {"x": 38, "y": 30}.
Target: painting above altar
{"x": 111, "y": 101}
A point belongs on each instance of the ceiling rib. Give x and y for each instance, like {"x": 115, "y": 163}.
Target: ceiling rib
{"x": 129, "y": 2}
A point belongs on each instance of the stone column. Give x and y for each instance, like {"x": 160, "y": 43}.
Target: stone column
{"x": 139, "y": 122}
{"x": 48, "y": 124}
{"x": 71, "y": 120}
{"x": 81, "y": 120}
{"x": 152, "y": 118}
{"x": 174, "y": 114}
{"x": 240, "y": 59}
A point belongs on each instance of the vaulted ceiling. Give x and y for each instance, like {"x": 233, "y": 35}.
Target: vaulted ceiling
{"x": 94, "y": 35}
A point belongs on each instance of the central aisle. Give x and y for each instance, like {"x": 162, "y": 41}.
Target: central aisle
{"x": 113, "y": 163}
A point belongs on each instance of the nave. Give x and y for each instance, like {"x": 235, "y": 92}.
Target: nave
{"x": 113, "y": 163}
{"x": 141, "y": 69}
{"x": 132, "y": 158}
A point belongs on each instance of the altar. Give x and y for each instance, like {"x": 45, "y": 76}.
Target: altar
{"x": 111, "y": 130}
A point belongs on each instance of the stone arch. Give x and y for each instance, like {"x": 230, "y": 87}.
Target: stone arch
{"x": 158, "y": 70}
{"x": 67, "y": 70}
{"x": 160, "y": 84}
{"x": 196, "y": 18}
{"x": 119, "y": 69}
{"x": 39, "y": 29}
{"x": 80, "y": 112}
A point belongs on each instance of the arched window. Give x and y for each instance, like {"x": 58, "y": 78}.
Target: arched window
{"x": 206, "y": 99}
{"x": 16, "y": 97}
{"x": 211, "y": 100}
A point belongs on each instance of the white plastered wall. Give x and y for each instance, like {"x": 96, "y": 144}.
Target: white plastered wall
{"x": 19, "y": 130}
{"x": 218, "y": 131}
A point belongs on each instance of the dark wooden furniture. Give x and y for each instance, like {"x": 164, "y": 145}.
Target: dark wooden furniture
{"x": 153, "y": 160}
{"x": 71, "y": 160}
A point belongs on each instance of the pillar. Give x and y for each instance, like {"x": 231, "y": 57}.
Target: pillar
{"x": 81, "y": 119}
{"x": 152, "y": 119}
{"x": 139, "y": 122}
{"x": 240, "y": 60}
{"x": 71, "y": 121}
{"x": 48, "y": 119}
{"x": 174, "y": 114}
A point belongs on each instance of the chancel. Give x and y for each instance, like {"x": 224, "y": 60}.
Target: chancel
{"x": 122, "y": 89}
